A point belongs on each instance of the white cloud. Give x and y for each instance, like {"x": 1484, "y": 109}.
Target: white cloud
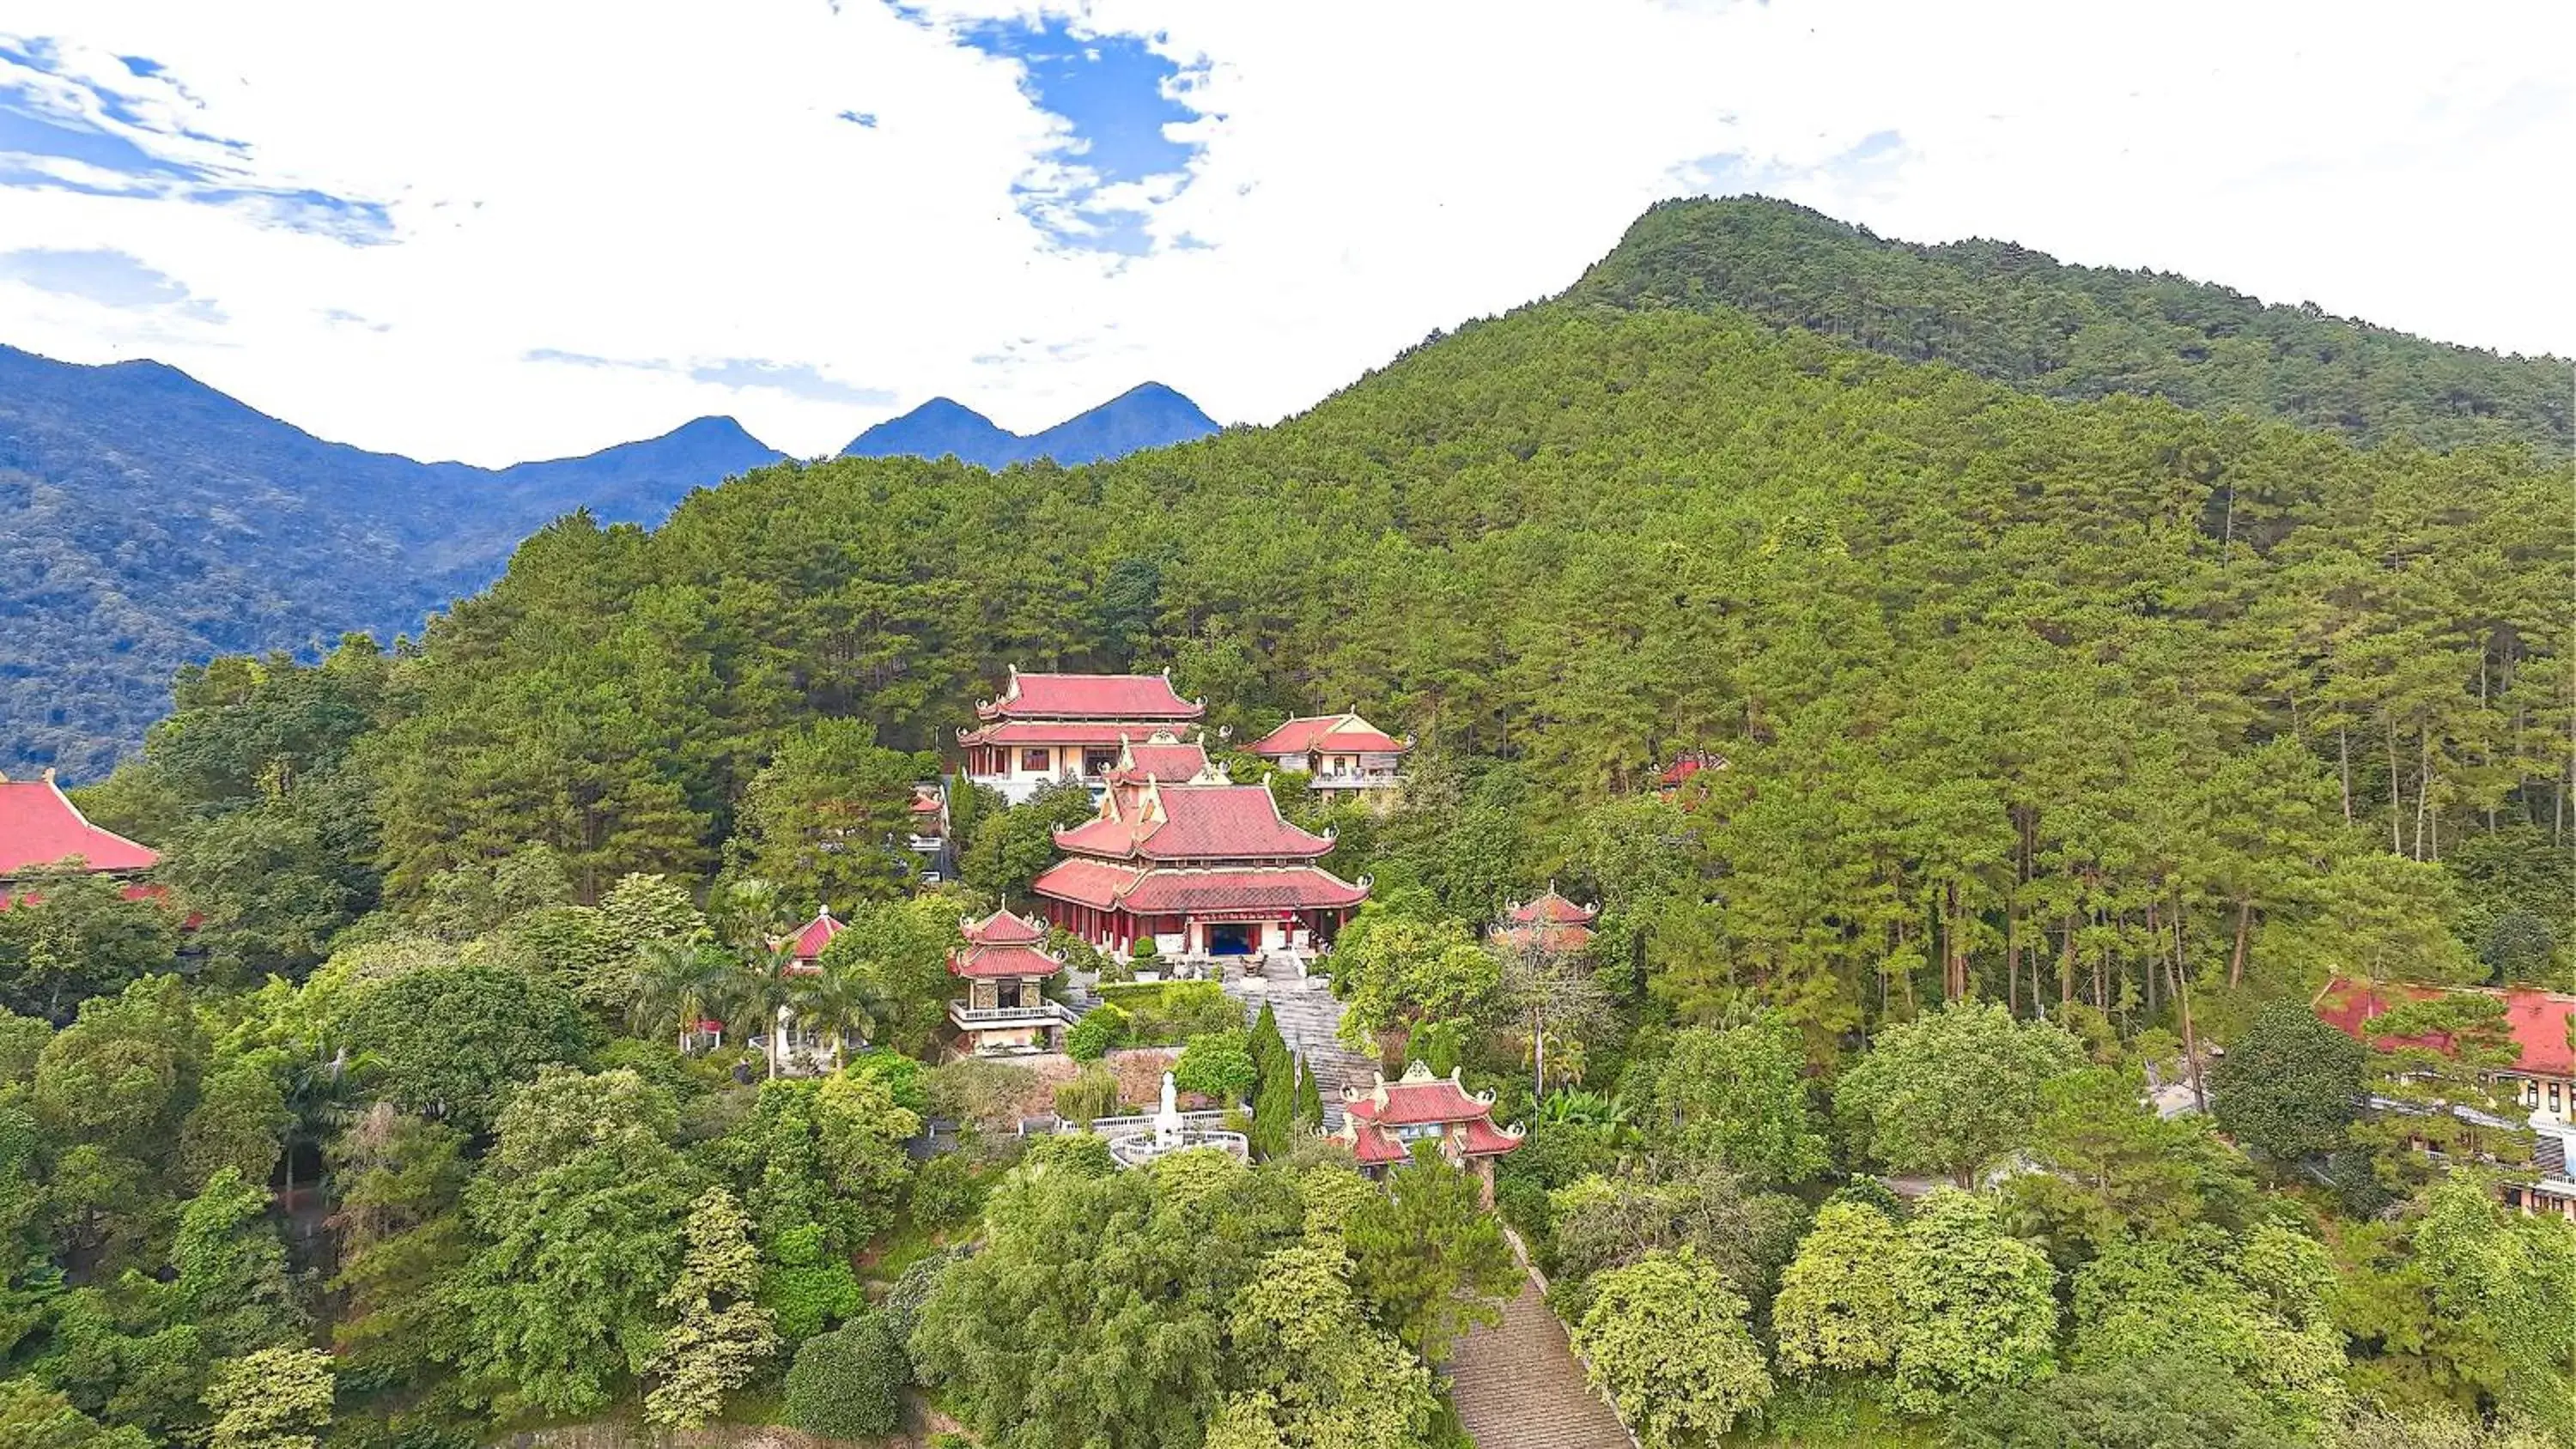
{"x": 681, "y": 185}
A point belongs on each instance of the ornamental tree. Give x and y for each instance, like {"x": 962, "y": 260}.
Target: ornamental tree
{"x": 1429, "y": 1260}
{"x": 1396, "y": 970}
{"x": 1979, "y": 1310}
{"x": 2290, "y": 1087}
{"x": 276, "y": 1398}
{"x": 1667, "y": 1341}
{"x": 1217, "y": 1064}
{"x": 1954, "y": 1090}
{"x": 2253, "y": 1309}
{"x": 723, "y": 1336}
{"x": 579, "y": 1209}
{"x": 1309, "y": 1372}
{"x": 1841, "y": 1304}
{"x": 1738, "y": 1096}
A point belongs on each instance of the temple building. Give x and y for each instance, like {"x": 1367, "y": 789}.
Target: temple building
{"x": 2542, "y": 1078}
{"x": 1336, "y": 751}
{"x": 805, "y": 948}
{"x": 40, "y": 828}
{"x": 1163, "y": 756}
{"x": 1048, "y": 727}
{"x": 1383, "y": 1123}
{"x": 1207, "y": 870}
{"x": 1005, "y": 966}
{"x": 1551, "y": 923}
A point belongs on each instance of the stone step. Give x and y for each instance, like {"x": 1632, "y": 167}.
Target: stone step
{"x": 1518, "y": 1385}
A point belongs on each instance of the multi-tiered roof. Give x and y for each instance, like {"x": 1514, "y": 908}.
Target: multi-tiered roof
{"x": 1000, "y": 946}
{"x": 1080, "y": 709}
{"x": 1382, "y": 1123}
{"x": 1550, "y": 923}
{"x": 1163, "y": 849}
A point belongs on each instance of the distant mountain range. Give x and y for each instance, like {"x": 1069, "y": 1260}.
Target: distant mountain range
{"x": 1150, "y": 416}
{"x": 148, "y": 521}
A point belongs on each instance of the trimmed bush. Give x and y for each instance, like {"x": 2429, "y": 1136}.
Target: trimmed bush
{"x": 848, "y": 1384}
{"x": 1218, "y": 1065}
{"x": 1168, "y": 1013}
{"x": 1092, "y": 1037}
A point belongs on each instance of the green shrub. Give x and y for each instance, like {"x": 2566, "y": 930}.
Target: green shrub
{"x": 1092, "y": 1037}
{"x": 805, "y": 1286}
{"x": 902, "y": 1307}
{"x": 944, "y": 1192}
{"x": 1217, "y": 1064}
{"x": 1092, "y": 1093}
{"x": 1145, "y": 955}
{"x": 1168, "y": 1013}
{"x": 1082, "y": 1154}
{"x": 901, "y": 1074}
{"x": 848, "y": 1384}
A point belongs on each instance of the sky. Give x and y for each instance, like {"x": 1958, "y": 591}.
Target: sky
{"x": 501, "y": 231}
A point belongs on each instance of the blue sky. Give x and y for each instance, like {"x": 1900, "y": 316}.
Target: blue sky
{"x": 499, "y": 231}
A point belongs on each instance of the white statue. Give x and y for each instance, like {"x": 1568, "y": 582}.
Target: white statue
{"x": 1167, "y": 1122}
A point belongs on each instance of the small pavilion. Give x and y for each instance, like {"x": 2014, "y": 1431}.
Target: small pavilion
{"x": 1335, "y": 751}
{"x": 1383, "y": 1123}
{"x": 1551, "y": 923}
{"x": 1005, "y": 965}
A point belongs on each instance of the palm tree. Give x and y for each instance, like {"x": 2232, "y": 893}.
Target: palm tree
{"x": 840, "y": 998}
{"x": 755, "y": 986}
{"x": 677, "y": 984}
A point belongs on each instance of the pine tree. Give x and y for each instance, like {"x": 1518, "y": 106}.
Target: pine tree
{"x": 1309, "y": 1113}
{"x": 723, "y": 1335}
{"x": 1274, "y": 1093}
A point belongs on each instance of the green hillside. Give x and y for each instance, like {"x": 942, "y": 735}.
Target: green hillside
{"x": 2061, "y": 740}
{"x": 2019, "y": 316}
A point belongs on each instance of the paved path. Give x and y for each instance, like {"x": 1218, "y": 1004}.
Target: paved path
{"x": 1519, "y": 1385}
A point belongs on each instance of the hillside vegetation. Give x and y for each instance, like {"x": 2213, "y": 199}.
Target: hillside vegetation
{"x": 2019, "y": 316}
{"x": 2059, "y": 741}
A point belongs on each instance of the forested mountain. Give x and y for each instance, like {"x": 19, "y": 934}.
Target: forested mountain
{"x": 147, "y": 520}
{"x": 2049, "y": 743}
{"x": 1149, "y": 415}
{"x": 2019, "y": 316}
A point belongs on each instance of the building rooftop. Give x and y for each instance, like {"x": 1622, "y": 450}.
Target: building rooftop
{"x": 2537, "y": 1019}
{"x": 1177, "y": 822}
{"x": 39, "y": 826}
{"x": 1346, "y": 731}
{"x": 1090, "y": 696}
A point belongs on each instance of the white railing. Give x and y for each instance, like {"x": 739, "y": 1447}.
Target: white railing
{"x": 1045, "y": 1013}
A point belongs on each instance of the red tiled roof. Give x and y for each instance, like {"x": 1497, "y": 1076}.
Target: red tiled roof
{"x": 982, "y": 962}
{"x": 1041, "y": 732}
{"x": 39, "y": 826}
{"x": 1171, "y": 764}
{"x": 925, "y": 805}
{"x": 1374, "y": 1148}
{"x": 818, "y": 933}
{"x": 1089, "y": 696}
{"x": 1086, "y": 882}
{"x": 1484, "y": 1139}
{"x": 1553, "y": 909}
{"x": 1416, "y": 1097}
{"x": 1563, "y": 940}
{"x": 1198, "y": 822}
{"x": 1103, "y": 885}
{"x": 1327, "y": 732}
{"x": 1682, "y": 768}
{"x": 2537, "y": 1020}
{"x": 1003, "y": 928}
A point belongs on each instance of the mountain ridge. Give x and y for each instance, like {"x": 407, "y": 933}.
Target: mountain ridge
{"x": 2017, "y": 315}
{"x": 148, "y": 520}
{"x": 1148, "y": 415}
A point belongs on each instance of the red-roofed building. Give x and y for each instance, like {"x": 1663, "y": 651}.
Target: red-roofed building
{"x": 1685, "y": 765}
{"x": 1047, "y": 727}
{"x": 1383, "y": 1123}
{"x": 1163, "y": 756}
{"x": 1550, "y": 923}
{"x": 1005, "y": 965}
{"x": 2542, "y": 1078}
{"x": 1206, "y": 870}
{"x": 40, "y": 827}
{"x": 1336, "y": 751}
{"x": 805, "y": 948}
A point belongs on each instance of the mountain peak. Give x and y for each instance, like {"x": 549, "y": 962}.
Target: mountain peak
{"x": 1148, "y": 415}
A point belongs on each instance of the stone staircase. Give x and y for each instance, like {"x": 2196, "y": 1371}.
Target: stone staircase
{"x": 1518, "y": 1385}
{"x": 1309, "y": 1017}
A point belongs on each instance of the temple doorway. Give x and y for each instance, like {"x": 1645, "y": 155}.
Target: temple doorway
{"x": 1231, "y": 938}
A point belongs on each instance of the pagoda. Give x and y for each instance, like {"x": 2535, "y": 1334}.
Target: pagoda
{"x": 1207, "y": 869}
{"x": 40, "y": 828}
{"x": 1383, "y": 1123}
{"x": 1552, "y": 924}
{"x": 1336, "y": 751}
{"x": 1049, "y": 727}
{"x": 1005, "y": 965}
